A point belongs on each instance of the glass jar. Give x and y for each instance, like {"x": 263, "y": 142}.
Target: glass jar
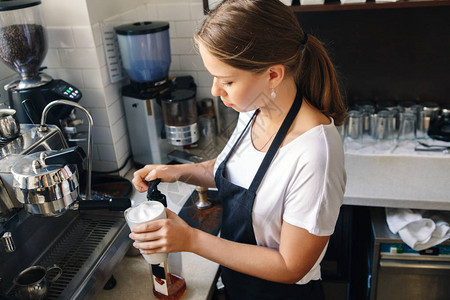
{"x": 23, "y": 38}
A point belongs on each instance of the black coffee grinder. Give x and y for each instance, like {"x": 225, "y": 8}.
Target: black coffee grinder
{"x": 23, "y": 46}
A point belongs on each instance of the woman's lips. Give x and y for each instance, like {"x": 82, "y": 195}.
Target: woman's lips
{"x": 227, "y": 104}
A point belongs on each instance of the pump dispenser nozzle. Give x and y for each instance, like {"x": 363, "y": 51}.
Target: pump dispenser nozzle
{"x": 153, "y": 194}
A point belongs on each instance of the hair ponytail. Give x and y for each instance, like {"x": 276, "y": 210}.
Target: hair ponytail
{"x": 316, "y": 76}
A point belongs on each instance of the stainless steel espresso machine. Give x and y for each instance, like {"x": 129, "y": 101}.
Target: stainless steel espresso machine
{"x": 23, "y": 47}
{"x": 45, "y": 220}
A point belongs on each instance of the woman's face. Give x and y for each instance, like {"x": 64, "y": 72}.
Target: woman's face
{"x": 242, "y": 90}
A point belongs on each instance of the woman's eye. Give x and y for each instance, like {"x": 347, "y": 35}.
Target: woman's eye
{"x": 227, "y": 83}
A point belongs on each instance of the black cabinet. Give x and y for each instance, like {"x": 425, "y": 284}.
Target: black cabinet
{"x": 345, "y": 267}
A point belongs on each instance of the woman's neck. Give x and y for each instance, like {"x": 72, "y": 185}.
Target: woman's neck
{"x": 275, "y": 110}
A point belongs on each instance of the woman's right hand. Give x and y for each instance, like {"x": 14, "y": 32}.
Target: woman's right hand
{"x": 167, "y": 173}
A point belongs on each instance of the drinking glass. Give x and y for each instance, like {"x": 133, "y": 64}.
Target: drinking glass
{"x": 385, "y": 130}
{"x": 354, "y": 130}
{"x": 407, "y": 129}
{"x": 421, "y": 131}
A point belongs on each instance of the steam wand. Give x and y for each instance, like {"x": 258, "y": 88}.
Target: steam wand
{"x": 43, "y": 127}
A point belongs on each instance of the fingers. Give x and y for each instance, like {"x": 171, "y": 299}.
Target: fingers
{"x": 142, "y": 176}
{"x": 150, "y": 247}
{"x": 137, "y": 181}
{"x": 166, "y": 235}
{"x": 151, "y": 176}
{"x": 148, "y": 226}
{"x": 150, "y": 237}
{"x": 146, "y": 239}
{"x": 151, "y": 172}
{"x": 170, "y": 214}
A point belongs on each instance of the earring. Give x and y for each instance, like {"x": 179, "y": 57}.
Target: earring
{"x": 273, "y": 94}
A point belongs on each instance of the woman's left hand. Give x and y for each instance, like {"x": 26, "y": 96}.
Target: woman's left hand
{"x": 163, "y": 236}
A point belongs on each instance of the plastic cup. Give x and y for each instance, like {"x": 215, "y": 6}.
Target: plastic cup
{"x": 143, "y": 213}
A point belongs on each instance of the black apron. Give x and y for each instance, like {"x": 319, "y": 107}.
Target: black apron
{"x": 237, "y": 225}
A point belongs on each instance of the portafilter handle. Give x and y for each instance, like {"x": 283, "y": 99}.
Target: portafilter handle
{"x": 43, "y": 127}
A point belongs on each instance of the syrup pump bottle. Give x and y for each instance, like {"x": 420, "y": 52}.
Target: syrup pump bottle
{"x": 167, "y": 282}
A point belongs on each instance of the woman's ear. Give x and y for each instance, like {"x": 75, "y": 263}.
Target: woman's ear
{"x": 276, "y": 75}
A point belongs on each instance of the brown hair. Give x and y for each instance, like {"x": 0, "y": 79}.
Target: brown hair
{"x": 253, "y": 35}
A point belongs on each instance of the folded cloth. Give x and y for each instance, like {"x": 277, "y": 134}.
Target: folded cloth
{"x": 419, "y": 229}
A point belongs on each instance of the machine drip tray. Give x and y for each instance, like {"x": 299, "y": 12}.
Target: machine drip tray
{"x": 86, "y": 251}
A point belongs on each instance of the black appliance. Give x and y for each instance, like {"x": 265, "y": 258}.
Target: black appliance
{"x": 440, "y": 129}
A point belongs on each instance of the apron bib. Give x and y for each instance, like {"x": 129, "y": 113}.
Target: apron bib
{"x": 237, "y": 203}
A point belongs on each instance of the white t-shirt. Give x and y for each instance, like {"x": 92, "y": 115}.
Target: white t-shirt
{"x": 303, "y": 186}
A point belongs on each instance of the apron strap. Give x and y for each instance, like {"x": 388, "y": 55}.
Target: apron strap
{"x": 277, "y": 141}
{"x": 240, "y": 137}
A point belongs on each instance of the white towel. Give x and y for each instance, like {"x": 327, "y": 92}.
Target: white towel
{"x": 419, "y": 229}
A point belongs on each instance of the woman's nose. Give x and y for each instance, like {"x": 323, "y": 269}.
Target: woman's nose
{"x": 216, "y": 89}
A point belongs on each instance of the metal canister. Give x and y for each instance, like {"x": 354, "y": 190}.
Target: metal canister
{"x": 431, "y": 113}
{"x": 180, "y": 117}
{"x": 391, "y": 106}
{"x": 367, "y": 111}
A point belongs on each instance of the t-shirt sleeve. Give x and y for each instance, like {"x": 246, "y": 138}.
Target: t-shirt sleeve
{"x": 316, "y": 191}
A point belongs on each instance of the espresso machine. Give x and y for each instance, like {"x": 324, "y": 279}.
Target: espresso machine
{"x": 23, "y": 47}
{"x": 45, "y": 220}
{"x": 161, "y": 112}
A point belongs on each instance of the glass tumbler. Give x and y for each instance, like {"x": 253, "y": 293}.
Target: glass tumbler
{"x": 407, "y": 129}
{"x": 419, "y": 112}
{"x": 354, "y": 130}
{"x": 367, "y": 111}
{"x": 385, "y": 130}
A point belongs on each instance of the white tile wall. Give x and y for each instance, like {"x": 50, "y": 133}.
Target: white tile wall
{"x": 52, "y": 59}
{"x": 73, "y": 76}
{"x": 119, "y": 130}
{"x": 152, "y": 12}
{"x": 92, "y": 78}
{"x": 182, "y": 46}
{"x": 65, "y": 13}
{"x": 79, "y": 58}
{"x": 173, "y": 11}
{"x": 83, "y": 36}
{"x": 59, "y": 37}
{"x": 93, "y": 98}
{"x": 191, "y": 63}
{"x": 196, "y": 8}
{"x": 185, "y": 28}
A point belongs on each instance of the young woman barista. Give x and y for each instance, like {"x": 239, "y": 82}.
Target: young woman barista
{"x": 281, "y": 177}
